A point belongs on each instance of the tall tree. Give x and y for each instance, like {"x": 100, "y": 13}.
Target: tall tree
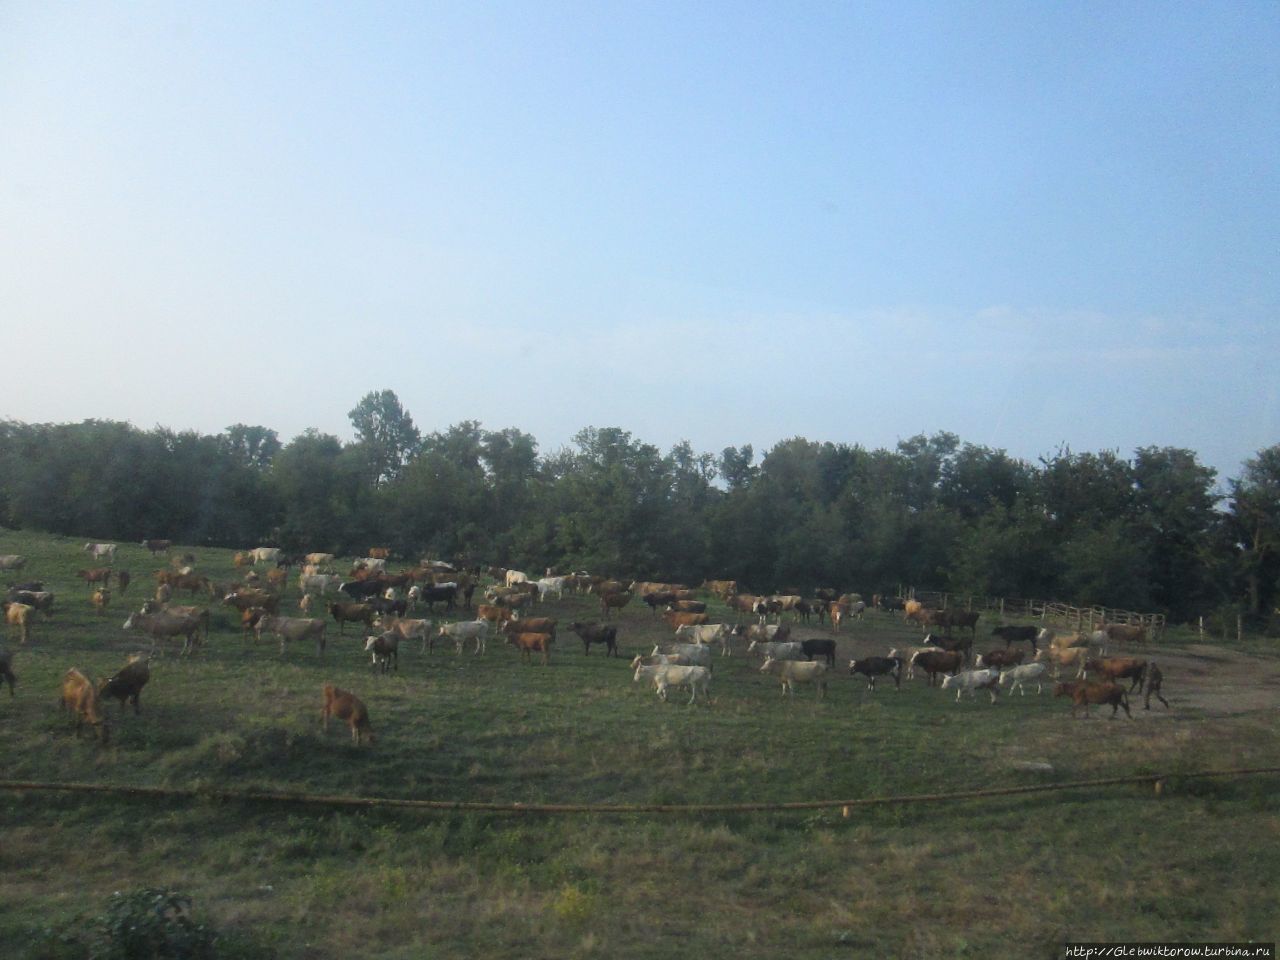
{"x": 385, "y": 434}
{"x": 1254, "y": 505}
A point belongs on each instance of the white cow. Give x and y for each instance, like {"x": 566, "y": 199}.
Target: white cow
{"x": 693, "y": 652}
{"x": 464, "y": 630}
{"x": 266, "y": 555}
{"x": 664, "y": 676}
{"x": 1026, "y": 673}
{"x": 973, "y": 681}
{"x": 791, "y": 672}
{"x": 100, "y": 550}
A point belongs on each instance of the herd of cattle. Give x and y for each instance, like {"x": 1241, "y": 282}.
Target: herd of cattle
{"x": 381, "y": 602}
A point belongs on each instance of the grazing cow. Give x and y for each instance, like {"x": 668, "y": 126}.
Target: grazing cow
{"x": 590, "y": 633}
{"x": 937, "y": 662}
{"x": 913, "y": 610}
{"x": 530, "y": 643}
{"x": 409, "y": 630}
{"x": 512, "y": 577}
{"x": 461, "y": 632}
{"x": 101, "y": 599}
{"x": 875, "y": 667}
{"x": 1019, "y": 676}
{"x": 664, "y": 676}
{"x": 294, "y": 629}
{"x": 242, "y": 559}
{"x": 819, "y": 648}
{"x": 12, "y": 561}
{"x": 346, "y": 613}
{"x": 837, "y": 612}
{"x": 1083, "y": 693}
{"x": 890, "y": 604}
{"x": 1155, "y": 678}
{"x": 614, "y": 601}
{"x": 320, "y": 559}
{"x": 100, "y": 550}
{"x": 265, "y": 555}
{"x": 362, "y": 589}
{"x": 1133, "y": 669}
{"x": 163, "y": 624}
{"x": 967, "y": 619}
{"x": 973, "y": 681}
{"x": 6, "y": 670}
{"x": 1011, "y": 634}
{"x": 127, "y": 682}
{"x": 380, "y": 553}
{"x": 80, "y": 696}
{"x": 318, "y": 583}
{"x": 385, "y": 649}
{"x": 157, "y": 547}
{"x": 791, "y": 672}
{"x": 123, "y": 579}
{"x": 19, "y": 616}
{"x": 346, "y": 706}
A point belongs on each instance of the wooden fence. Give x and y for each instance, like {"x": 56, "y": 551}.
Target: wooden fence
{"x": 1046, "y": 611}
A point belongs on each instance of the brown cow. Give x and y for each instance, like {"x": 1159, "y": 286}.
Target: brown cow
{"x": 675, "y": 618}
{"x": 1133, "y": 669}
{"x": 80, "y": 696}
{"x": 531, "y": 643}
{"x": 614, "y": 601}
{"x": 346, "y": 706}
{"x": 1083, "y": 693}
{"x": 127, "y": 682}
{"x": 95, "y": 575}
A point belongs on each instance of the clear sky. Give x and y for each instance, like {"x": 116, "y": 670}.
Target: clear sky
{"x": 1029, "y": 224}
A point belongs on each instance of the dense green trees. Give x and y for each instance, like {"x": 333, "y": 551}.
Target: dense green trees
{"x": 1149, "y": 532}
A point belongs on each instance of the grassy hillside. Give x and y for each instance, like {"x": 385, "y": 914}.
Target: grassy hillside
{"x": 1002, "y": 877}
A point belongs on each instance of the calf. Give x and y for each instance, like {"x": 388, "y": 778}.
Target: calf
{"x": 346, "y": 706}
{"x": 19, "y": 616}
{"x": 80, "y": 696}
{"x": 127, "y": 682}
{"x": 410, "y": 630}
{"x": 875, "y": 667}
{"x": 1083, "y": 693}
{"x": 385, "y": 649}
{"x": 530, "y": 643}
{"x": 590, "y": 633}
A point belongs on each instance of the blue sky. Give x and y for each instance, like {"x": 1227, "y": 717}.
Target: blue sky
{"x": 1027, "y": 224}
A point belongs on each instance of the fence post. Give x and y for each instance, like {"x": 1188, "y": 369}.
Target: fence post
{"x": 1239, "y": 628}
{"x": 1202, "y": 629}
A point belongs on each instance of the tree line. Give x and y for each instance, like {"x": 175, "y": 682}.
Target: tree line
{"x": 1153, "y": 532}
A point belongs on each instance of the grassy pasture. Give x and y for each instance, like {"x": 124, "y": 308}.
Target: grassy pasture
{"x": 1002, "y": 877}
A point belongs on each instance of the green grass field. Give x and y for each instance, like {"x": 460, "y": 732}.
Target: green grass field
{"x": 1003, "y": 877}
